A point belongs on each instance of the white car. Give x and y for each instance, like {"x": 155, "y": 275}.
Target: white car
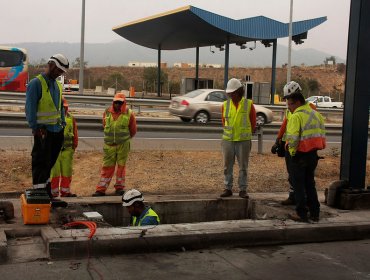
{"x": 204, "y": 105}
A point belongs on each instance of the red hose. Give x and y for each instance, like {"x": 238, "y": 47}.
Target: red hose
{"x": 91, "y": 225}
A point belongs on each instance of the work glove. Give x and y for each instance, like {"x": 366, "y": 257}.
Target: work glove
{"x": 275, "y": 147}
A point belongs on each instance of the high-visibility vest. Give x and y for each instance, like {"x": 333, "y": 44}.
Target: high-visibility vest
{"x": 305, "y": 130}
{"x": 237, "y": 125}
{"x": 149, "y": 213}
{"x": 47, "y": 112}
{"x": 68, "y": 132}
{"x": 288, "y": 114}
{"x": 116, "y": 131}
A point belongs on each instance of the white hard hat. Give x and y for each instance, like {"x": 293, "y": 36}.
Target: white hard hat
{"x": 290, "y": 88}
{"x": 233, "y": 85}
{"x": 131, "y": 196}
{"x": 60, "y": 61}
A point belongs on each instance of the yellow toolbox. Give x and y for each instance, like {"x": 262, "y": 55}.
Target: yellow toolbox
{"x": 34, "y": 213}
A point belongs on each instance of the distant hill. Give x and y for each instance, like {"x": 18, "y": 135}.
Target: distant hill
{"x": 120, "y": 52}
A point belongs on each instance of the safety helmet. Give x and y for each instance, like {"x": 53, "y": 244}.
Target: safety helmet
{"x": 233, "y": 85}
{"x": 65, "y": 103}
{"x": 131, "y": 196}
{"x": 60, "y": 61}
{"x": 119, "y": 97}
{"x": 291, "y": 88}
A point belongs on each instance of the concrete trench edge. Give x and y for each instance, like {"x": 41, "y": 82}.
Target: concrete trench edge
{"x": 179, "y": 239}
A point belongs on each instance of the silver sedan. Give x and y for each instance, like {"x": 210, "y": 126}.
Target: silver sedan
{"x": 204, "y": 105}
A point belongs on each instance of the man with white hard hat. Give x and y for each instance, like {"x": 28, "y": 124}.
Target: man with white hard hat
{"x": 46, "y": 119}
{"x": 305, "y": 135}
{"x": 141, "y": 215}
{"x": 279, "y": 146}
{"x": 239, "y": 122}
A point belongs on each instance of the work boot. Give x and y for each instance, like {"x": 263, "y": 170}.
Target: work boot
{"x": 315, "y": 219}
{"x": 295, "y": 217}
{"x": 119, "y": 192}
{"x": 287, "y": 201}
{"x": 98, "y": 194}
{"x": 243, "y": 194}
{"x": 69, "y": 195}
{"x": 226, "y": 193}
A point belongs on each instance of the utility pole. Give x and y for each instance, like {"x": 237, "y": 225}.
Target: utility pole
{"x": 289, "y": 68}
{"x": 82, "y": 46}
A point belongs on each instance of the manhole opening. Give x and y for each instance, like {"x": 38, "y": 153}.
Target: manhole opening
{"x": 170, "y": 212}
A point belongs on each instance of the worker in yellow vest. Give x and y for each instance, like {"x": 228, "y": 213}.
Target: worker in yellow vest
{"x": 61, "y": 174}
{"x": 239, "y": 122}
{"x": 305, "y": 135}
{"x": 279, "y": 146}
{"x": 46, "y": 119}
{"x": 141, "y": 215}
{"x": 119, "y": 127}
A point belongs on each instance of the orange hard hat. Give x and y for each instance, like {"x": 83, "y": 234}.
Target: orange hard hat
{"x": 119, "y": 97}
{"x": 65, "y": 103}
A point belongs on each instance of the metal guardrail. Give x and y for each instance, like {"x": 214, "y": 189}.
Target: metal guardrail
{"x": 137, "y": 102}
{"x": 150, "y": 124}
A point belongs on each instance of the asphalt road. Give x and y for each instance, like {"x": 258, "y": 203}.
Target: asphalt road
{"x": 148, "y": 134}
{"x": 336, "y": 260}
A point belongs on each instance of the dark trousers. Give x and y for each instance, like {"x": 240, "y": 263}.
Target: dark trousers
{"x": 302, "y": 167}
{"x": 287, "y": 163}
{"x": 44, "y": 155}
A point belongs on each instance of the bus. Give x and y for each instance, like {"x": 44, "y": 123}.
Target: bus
{"x": 13, "y": 69}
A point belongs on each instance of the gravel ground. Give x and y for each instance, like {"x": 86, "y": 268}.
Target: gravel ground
{"x": 156, "y": 172}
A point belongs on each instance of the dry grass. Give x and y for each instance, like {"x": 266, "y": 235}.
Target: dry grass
{"x": 159, "y": 172}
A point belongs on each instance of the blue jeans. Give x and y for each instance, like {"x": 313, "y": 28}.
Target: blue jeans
{"x": 239, "y": 150}
{"x": 302, "y": 167}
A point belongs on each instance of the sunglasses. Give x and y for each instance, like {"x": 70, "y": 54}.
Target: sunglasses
{"x": 118, "y": 102}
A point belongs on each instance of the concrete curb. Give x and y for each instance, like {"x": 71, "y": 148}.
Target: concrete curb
{"x": 74, "y": 243}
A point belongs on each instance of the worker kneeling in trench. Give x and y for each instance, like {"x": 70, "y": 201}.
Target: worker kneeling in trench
{"x": 141, "y": 214}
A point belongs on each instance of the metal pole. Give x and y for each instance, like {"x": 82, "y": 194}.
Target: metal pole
{"x": 159, "y": 72}
{"x": 273, "y": 72}
{"x": 260, "y": 139}
{"x": 196, "y": 67}
{"x": 226, "y": 74}
{"x": 288, "y": 77}
{"x": 82, "y": 46}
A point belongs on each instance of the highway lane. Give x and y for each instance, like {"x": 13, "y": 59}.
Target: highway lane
{"x": 4, "y": 132}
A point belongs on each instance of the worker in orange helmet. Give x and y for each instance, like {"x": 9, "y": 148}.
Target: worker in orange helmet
{"x": 61, "y": 173}
{"x": 119, "y": 124}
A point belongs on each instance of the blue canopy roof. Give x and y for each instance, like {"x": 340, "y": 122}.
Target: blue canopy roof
{"x": 190, "y": 27}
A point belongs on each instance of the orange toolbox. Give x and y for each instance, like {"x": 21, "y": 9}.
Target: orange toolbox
{"x": 35, "y": 208}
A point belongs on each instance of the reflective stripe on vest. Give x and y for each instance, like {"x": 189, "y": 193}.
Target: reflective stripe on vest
{"x": 149, "y": 213}
{"x": 116, "y": 131}
{"x": 237, "y": 125}
{"x": 68, "y": 131}
{"x": 305, "y": 130}
{"x": 47, "y": 113}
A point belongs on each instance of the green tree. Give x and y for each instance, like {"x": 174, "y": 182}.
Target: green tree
{"x": 150, "y": 78}
{"x": 76, "y": 63}
{"x": 117, "y": 81}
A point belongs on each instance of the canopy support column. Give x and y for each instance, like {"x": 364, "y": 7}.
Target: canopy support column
{"x": 273, "y": 72}
{"x": 226, "y": 74}
{"x": 159, "y": 72}
{"x": 357, "y": 97}
{"x": 196, "y": 67}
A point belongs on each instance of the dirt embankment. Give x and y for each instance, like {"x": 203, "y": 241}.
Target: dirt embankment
{"x": 157, "y": 172}
{"x": 330, "y": 79}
